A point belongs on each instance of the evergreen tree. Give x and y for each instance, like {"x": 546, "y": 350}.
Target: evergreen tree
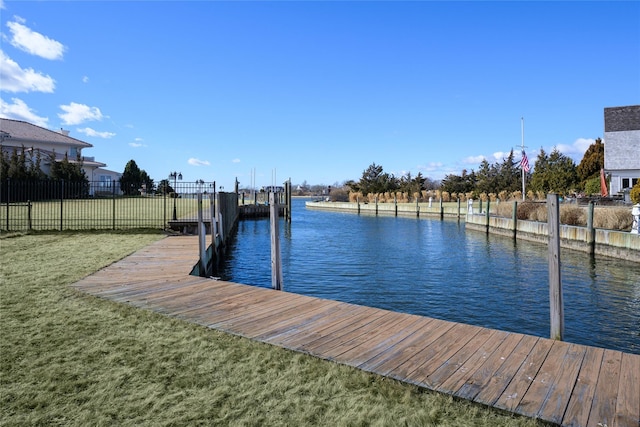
{"x": 17, "y": 165}
{"x": 592, "y": 162}
{"x": 375, "y": 180}
{"x": 67, "y": 170}
{"x": 509, "y": 176}
{"x": 464, "y": 183}
{"x": 133, "y": 178}
{"x": 539, "y": 177}
{"x": 555, "y": 173}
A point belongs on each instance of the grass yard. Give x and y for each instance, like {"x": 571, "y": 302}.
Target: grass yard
{"x": 79, "y": 214}
{"x": 70, "y": 359}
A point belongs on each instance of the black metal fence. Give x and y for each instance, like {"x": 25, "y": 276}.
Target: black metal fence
{"x": 61, "y": 205}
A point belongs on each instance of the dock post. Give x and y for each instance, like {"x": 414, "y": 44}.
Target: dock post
{"x": 202, "y": 239}
{"x": 358, "y": 203}
{"x": 441, "y": 209}
{"x": 417, "y": 207}
{"x": 514, "y": 218}
{"x": 213, "y": 226}
{"x": 289, "y": 204}
{"x": 376, "y": 204}
{"x": 276, "y": 261}
{"x": 591, "y": 232}
{"x": 487, "y": 216}
{"x": 458, "y": 208}
{"x": 556, "y": 308}
{"x": 395, "y": 203}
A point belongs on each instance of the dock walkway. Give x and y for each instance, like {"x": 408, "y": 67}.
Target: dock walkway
{"x": 564, "y": 383}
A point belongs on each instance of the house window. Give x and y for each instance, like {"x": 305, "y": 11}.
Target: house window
{"x": 105, "y": 181}
{"x": 73, "y": 152}
{"x": 625, "y": 182}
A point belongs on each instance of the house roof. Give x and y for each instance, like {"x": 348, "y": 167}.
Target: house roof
{"x": 17, "y": 132}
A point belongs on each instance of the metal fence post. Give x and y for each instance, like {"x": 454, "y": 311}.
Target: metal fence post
{"x": 61, "y": 201}
{"x": 113, "y": 213}
{"x": 8, "y": 198}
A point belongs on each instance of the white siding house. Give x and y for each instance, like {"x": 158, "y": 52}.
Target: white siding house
{"x": 622, "y": 147}
{"x": 51, "y": 144}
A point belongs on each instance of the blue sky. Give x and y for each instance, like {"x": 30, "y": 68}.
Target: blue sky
{"x": 317, "y": 91}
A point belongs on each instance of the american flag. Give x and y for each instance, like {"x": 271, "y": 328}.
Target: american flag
{"x": 525, "y": 162}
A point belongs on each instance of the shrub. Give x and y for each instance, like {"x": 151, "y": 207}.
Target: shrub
{"x": 618, "y": 218}
{"x": 445, "y": 196}
{"x": 572, "y": 215}
{"x": 526, "y": 210}
{"x": 503, "y": 195}
{"x": 635, "y": 193}
{"x": 592, "y": 186}
{"x": 340, "y": 195}
{"x": 504, "y": 210}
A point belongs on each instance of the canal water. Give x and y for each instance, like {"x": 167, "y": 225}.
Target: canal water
{"x": 434, "y": 268}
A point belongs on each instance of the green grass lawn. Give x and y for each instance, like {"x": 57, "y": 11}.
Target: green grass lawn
{"x": 70, "y": 359}
{"x": 80, "y": 214}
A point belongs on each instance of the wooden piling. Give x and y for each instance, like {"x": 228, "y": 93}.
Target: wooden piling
{"x": 276, "y": 261}
{"x": 591, "y": 232}
{"x": 514, "y": 218}
{"x": 556, "y": 308}
{"x": 202, "y": 239}
{"x": 487, "y": 215}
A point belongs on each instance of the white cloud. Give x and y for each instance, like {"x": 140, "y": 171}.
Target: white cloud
{"x": 16, "y": 79}
{"x": 2, "y": 4}
{"x": 430, "y": 167}
{"x": 18, "y": 110}
{"x": 91, "y": 132}
{"x": 577, "y": 149}
{"x": 197, "y": 162}
{"x": 85, "y": 79}
{"x": 236, "y": 160}
{"x": 76, "y": 114}
{"x": 500, "y": 155}
{"x": 34, "y": 43}
{"x": 473, "y": 160}
{"x": 136, "y": 145}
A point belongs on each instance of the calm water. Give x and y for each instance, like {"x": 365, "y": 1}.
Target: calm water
{"x": 434, "y": 268}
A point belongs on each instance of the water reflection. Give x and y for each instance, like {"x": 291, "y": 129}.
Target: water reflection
{"x": 435, "y": 268}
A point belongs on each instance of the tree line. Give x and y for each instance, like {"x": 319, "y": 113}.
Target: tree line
{"x": 26, "y": 165}
{"x": 552, "y": 173}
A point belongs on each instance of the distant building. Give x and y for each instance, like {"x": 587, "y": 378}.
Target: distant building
{"x": 55, "y": 145}
{"x": 622, "y": 147}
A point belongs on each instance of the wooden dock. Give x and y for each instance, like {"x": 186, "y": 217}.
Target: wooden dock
{"x": 564, "y": 383}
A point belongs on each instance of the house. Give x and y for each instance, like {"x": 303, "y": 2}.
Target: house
{"x": 622, "y": 147}
{"x": 57, "y": 145}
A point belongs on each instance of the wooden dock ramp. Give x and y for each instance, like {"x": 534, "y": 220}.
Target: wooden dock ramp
{"x": 564, "y": 383}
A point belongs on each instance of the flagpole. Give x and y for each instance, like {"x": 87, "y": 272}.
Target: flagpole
{"x": 523, "y": 193}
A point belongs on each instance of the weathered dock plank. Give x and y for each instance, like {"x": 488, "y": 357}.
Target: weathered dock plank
{"x": 564, "y": 383}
